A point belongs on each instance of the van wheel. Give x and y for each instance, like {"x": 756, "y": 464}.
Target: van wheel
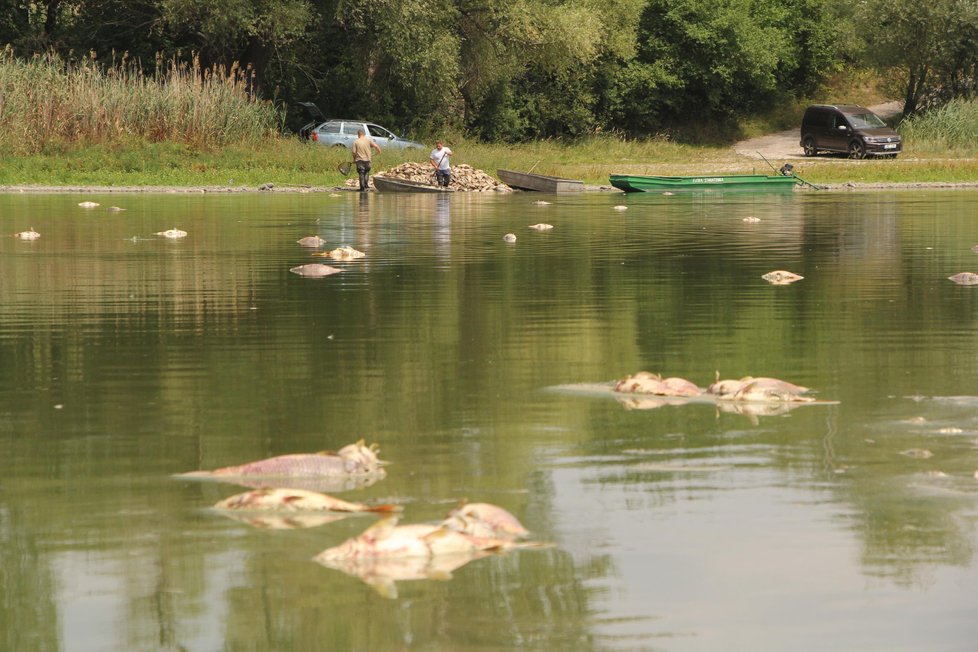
{"x": 857, "y": 149}
{"x": 809, "y": 146}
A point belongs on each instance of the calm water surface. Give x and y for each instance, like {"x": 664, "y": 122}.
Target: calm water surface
{"x": 478, "y": 366}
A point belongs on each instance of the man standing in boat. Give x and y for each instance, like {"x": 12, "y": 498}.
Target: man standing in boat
{"x": 361, "y": 157}
{"x": 439, "y": 161}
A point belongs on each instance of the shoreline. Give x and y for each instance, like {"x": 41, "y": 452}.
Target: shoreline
{"x": 272, "y": 188}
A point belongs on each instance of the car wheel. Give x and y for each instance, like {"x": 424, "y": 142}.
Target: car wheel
{"x": 809, "y": 146}
{"x": 335, "y": 145}
{"x": 857, "y": 149}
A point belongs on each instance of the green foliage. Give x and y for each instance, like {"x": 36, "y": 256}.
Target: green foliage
{"x": 932, "y": 46}
{"x": 715, "y": 59}
{"x": 950, "y": 127}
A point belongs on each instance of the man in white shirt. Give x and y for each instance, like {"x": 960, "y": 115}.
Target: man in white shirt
{"x": 439, "y": 161}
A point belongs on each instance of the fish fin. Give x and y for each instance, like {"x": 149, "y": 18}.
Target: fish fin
{"x": 385, "y": 509}
{"x": 290, "y": 498}
{"x": 381, "y": 529}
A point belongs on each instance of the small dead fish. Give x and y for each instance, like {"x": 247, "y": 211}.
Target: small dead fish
{"x": 88, "y": 204}
{"x": 486, "y": 521}
{"x": 509, "y": 237}
{"x": 115, "y": 209}
{"x": 645, "y": 382}
{"x": 540, "y": 202}
{"x": 781, "y": 277}
{"x": 950, "y": 430}
{"x": 352, "y": 459}
{"x": 29, "y": 234}
{"x": 917, "y": 453}
{"x": 964, "y": 278}
{"x": 296, "y": 500}
{"x": 750, "y": 219}
{"x": 770, "y": 389}
{"x": 315, "y": 270}
{"x": 172, "y": 233}
{"x": 542, "y": 227}
{"x": 311, "y": 241}
{"x": 346, "y": 252}
{"x": 620, "y": 207}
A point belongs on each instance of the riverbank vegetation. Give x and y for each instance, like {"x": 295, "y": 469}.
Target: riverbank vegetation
{"x": 205, "y": 93}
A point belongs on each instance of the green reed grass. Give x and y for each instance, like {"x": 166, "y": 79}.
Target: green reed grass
{"x": 50, "y": 104}
{"x": 953, "y": 126}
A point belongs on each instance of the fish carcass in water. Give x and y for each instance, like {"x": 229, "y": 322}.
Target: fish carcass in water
{"x": 781, "y": 277}
{"x": 486, "y": 521}
{"x": 964, "y": 278}
{"x": 315, "y": 270}
{"x": 645, "y": 382}
{"x": 173, "y": 234}
{"x": 296, "y": 500}
{"x": 759, "y": 389}
{"x": 285, "y": 521}
{"x": 353, "y": 459}
{"x": 311, "y": 241}
{"x": 346, "y": 252}
{"x": 386, "y": 539}
{"x": 29, "y": 234}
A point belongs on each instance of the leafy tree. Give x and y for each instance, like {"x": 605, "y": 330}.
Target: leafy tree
{"x": 933, "y": 45}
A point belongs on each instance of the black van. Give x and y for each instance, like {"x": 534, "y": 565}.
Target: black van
{"x": 847, "y": 128}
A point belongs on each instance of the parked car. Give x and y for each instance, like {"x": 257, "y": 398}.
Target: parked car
{"x": 854, "y": 130}
{"x": 342, "y": 132}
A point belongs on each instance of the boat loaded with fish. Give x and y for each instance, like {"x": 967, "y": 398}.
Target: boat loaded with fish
{"x": 539, "y": 182}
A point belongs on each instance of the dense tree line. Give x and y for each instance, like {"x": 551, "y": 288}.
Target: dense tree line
{"x": 519, "y": 69}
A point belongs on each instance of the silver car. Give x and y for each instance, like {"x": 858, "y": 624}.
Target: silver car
{"x": 344, "y": 132}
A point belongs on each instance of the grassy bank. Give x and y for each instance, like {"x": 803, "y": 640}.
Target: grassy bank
{"x": 83, "y": 123}
{"x": 288, "y": 161}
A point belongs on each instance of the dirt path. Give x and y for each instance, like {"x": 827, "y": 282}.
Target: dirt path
{"x": 785, "y": 144}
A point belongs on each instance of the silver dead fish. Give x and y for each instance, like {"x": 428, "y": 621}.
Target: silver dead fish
{"x": 353, "y": 459}
{"x": 781, "y": 277}
{"x": 315, "y": 270}
{"x": 296, "y": 500}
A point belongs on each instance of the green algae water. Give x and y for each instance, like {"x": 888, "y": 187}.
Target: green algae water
{"x": 481, "y": 369}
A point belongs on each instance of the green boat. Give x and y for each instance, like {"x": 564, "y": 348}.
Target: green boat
{"x": 752, "y": 182}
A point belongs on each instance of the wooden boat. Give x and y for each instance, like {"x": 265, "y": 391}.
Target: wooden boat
{"x": 752, "y": 182}
{"x": 391, "y": 184}
{"x": 538, "y": 182}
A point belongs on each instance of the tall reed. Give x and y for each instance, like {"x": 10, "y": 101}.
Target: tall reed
{"x": 48, "y": 103}
{"x": 953, "y": 126}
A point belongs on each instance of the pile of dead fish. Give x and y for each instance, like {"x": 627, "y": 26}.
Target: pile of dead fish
{"x": 747, "y": 388}
{"x": 465, "y": 178}
{"x": 747, "y": 396}
{"x": 287, "y": 492}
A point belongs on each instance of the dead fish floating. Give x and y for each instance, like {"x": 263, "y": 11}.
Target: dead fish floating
{"x": 311, "y": 241}
{"x": 486, "y": 521}
{"x": 115, "y": 209}
{"x": 781, "y": 277}
{"x": 315, "y": 270}
{"x": 173, "y": 234}
{"x": 425, "y": 541}
{"x": 296, "y": 500}
{"x": 768, "y": 390}
{"x": 964, "y": 278}
{"x": 509, "y": 237}
{"x": 541, "y": 226}
{"x": 353, "y": 459}
{"x": 750, "y": 219}
{"x": 645, "y": 382}
{"x": 89, "y": 204}
{"x": 346, "y": 252}
{"x": 286, "y": 520}
{"x": 29, "y": 234}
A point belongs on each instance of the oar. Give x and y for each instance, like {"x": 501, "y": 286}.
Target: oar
{"x": 793, "y": 175}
